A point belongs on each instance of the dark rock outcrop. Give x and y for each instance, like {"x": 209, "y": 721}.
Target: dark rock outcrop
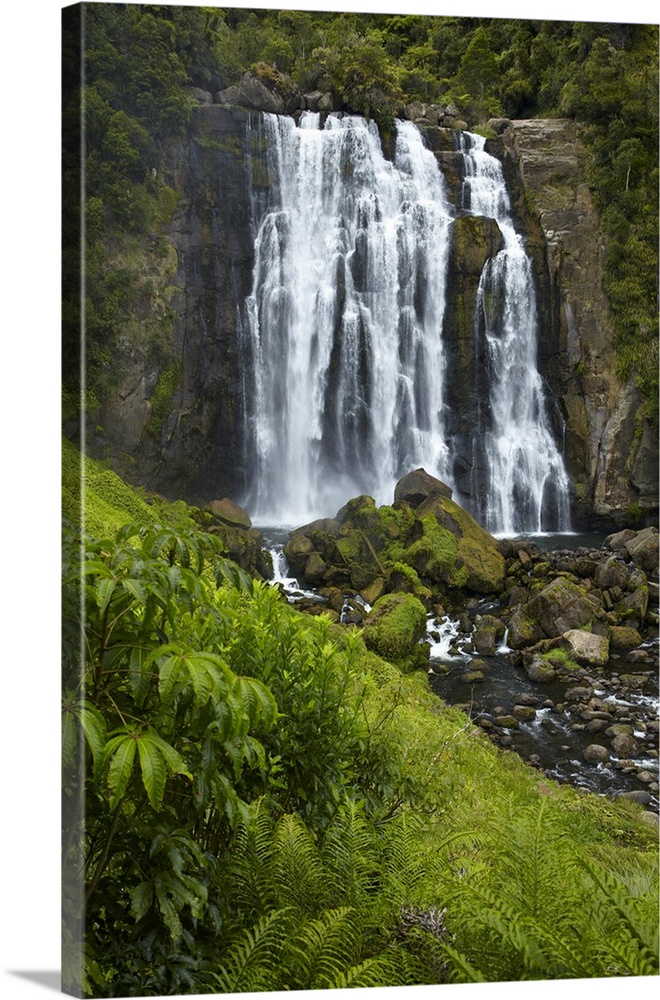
{"x": 417, "y": 486}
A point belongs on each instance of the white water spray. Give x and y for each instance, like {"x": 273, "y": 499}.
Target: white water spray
{"x": 345, "y": 368}
{"x": 345, "y": 319}
{"x": 527, "y": 483}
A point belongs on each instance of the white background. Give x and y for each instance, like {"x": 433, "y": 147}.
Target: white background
{"x": 30, "y": 485}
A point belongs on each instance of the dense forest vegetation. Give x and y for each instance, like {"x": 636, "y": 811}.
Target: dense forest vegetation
{"x": 256, "y": 800}
{"x": 142, "y": 60}
{"x": 269, "y": 805}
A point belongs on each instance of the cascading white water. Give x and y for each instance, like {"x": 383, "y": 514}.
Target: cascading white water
{"x": 527, "y": 482}
{"x": 343, "y": 358}
{"x": 343, "y": 341}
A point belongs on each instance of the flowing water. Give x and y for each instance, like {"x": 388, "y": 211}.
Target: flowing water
{"x": 554, "y": 734}
{"x": 527, "y": 482}
{"x": 343, "y": 357}
{"x": 344, "y": 339}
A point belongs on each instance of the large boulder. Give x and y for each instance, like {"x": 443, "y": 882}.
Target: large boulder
{"x": 643, "y": 549}
{"x": 611, "y": 573}
{"x": 619, "y": 539}
{"x": 394, "y": 628}
{"x": 561, "y": 606}
{"x": 586, "y": 647}
{"x": 414, "y": 488}
{"x": 523, "y": 630}
{"x": 437, "y": 543}
{"x": 479, "y": 565}
{"x": 228, "y": 512}
{"x": 266, "y": 89}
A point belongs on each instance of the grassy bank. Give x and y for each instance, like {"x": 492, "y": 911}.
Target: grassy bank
{"x": 270, "y": 805}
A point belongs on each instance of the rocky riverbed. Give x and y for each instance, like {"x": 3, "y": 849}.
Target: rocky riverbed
{"x": 596, "y": 728}
{"x": 553, "y": 652}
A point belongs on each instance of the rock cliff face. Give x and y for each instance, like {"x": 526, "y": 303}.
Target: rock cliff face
{"x": 610, "y": 450}
{"x": 196, "y": 450}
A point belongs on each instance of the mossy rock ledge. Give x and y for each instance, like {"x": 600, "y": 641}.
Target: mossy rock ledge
{"x": 424, "y": 545}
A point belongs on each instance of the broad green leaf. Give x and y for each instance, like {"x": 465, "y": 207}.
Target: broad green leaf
{"x": 136, "y": 589}
{"x": 154, "y": 772}
{"x": 168, "y": 911}
{"x": 202, "y": 677}
{"x": 257, "y": 700}
{"x": 175, "y": 762}
{"x": 142, "y": 898}
{"x": 95, "y": 567}
{"x": 169, "y": 672}
{"x": 120, "y": 769}
{"x": 139, "y": 674}
{"x": 93, "y": 725}
{"x": 105, "y": 589}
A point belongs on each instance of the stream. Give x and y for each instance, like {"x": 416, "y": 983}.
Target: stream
{"x": 550, "y": 725}
{"x": 547, "y": 724}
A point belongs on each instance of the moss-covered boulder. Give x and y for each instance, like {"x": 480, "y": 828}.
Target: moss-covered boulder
{"x": 422, "y": 550}
{"x": 404, "y": 579}
{"x": 643, "y": 549}
{"x": 394, "y": 628}
{"x": 624, "y": 637}
{"x": 246, "y": 549}
{"x": 434, "y": 555}
{"x": 523, "y": 630}
{"x": 586, "y": 647}
{"x": 478, "y": 566}
{"x": 561, "y": 606}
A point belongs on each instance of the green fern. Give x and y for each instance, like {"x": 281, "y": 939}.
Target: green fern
{"x": 631, "y": 947}
{"x": 253, "y": 962}
{"x": 350, "y": 854}
{"x": 323, "y": 949}
{"x": 297, "y": 866}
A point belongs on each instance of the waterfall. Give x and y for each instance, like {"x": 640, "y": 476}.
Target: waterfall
{"x": 527, "y": 483}
{"x": 342, "y": 352}
{"x": 343, "y": 345}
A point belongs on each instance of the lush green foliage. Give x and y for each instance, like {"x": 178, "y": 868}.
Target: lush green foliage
{"x": 252, "y": 800}
{"x": 97, "y": 500}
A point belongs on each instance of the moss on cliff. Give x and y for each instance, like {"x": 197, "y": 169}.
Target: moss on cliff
{"x": 102, "y": 502}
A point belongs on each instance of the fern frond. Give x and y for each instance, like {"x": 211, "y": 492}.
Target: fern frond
{"x": 253, "y": 961}
{"x": 297, "y": 867}
{"x": 253, "y": 889}
{"x": 627, "y": 958}
{"x": 642, "y": 930}
{"x": 386, "y": 969}
{"x": 350, "y": 854}
{"x": 323, "y": 949}
{"x": 460, "y": 969}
